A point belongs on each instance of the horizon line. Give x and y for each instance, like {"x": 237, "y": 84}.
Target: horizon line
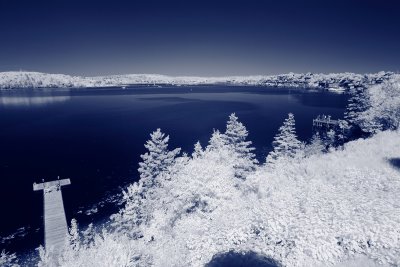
{"x": 197, "y": 76}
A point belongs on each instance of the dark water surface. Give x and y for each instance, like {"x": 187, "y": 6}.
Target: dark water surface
{"x": 95, "y": 137}
{"x": 240, "y": 259}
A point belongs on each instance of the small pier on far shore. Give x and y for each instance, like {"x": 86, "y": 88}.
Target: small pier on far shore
{"x": 324, "y": 121}
{"x": 55, "y": 222}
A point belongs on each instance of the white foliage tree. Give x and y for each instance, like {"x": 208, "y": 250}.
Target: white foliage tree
{"x": 343, "y": 129}
{"x": 236, "y": 137}
{"x": 139, "y": 196}
{"x": 133, "y": 214}
{"x": 198, "y": 150}
{"x": 71, "y": 249}
{"x": 315, "y": 147}
{"x": 74, "y": 238}
{"x": 285, "y": 143}
{"x": 330, "y": 138}
{"x": 384, "y": 110}
{"x": 157, "y": 159}
{"x": 376, "y": 108}
{"x": 217, "y": 141}
{"x": 357, "y": 103}
{"x": 88, "y": 236}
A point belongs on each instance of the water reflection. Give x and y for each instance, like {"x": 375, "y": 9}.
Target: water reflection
{"x": 15, "y": 99}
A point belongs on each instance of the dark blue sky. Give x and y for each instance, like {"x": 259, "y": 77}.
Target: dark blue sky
{"x": 199, "y": 37}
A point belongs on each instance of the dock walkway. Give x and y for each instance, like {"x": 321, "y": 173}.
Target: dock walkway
{"x": 55, "y": 222}
{"x": 324, "y": 121}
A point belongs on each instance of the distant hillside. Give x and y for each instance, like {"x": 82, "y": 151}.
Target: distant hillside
{"x": 334, "y": 81}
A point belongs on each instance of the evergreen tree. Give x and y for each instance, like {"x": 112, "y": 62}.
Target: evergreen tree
{"x": 179, "y": 163}
{"x": 157, "y": 159}
{"x": 330, "y": 138}
{"x": 139, "y": 196}
{"x": 134, "y": 212}
{"x": 74, "y": 239}
{"x": 235, "y": 136}
{"x": 316, "y": 145}
{"x": 358, "y": 110}
{"x": 217, "y": 141}
{"x": 198, "y": 150}
{"x": 285, "y": 143}
{"x": 343, "y": 130}
{"x": 383, "y": 112}
{"x": 88, "y": 236}
{"x": 357, "y": 103}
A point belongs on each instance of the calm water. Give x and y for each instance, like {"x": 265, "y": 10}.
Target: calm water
{"x": 95, "y": 138}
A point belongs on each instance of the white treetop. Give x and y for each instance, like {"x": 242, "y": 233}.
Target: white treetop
{"x": 73, "y": 237}
{"x": 198, "y": 150}
{"x": 217, "y": 141}
{"x": 315, "y": 147}
{"x": 383, "y": 113}
{"x": 357, "y": 103}
{"x": 236, "y": 137}
{"x": 157, "y": 159}
{"x": 285, "y": 142}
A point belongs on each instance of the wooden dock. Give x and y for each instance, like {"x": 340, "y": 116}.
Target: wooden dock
{"x": 55, "y": 222}
{"x": 324, "y": 121}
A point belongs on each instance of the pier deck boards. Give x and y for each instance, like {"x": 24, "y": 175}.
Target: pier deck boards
{"x": 324, "y": 121}
{"x": 55, "y": 223}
